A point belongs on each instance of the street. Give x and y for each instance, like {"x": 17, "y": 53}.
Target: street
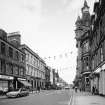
{"x": 52, "y": 97}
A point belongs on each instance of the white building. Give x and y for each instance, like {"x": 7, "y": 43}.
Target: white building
{"x": 35, "y": 68}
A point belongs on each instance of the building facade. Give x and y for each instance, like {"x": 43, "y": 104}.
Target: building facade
{"x": 12, "y": 63}
{"x": 98, "y": 47}
{"x": 35, "y": 68}
{"x": 83, "y": 44}
{"x": 47, "y": 77}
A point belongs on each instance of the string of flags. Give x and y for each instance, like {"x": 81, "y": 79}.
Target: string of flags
{"x": 63, "y": 69}
{"x": 66, "y": 68}
{"x": 65, "y": 55}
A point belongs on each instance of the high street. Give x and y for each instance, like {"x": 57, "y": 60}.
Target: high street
{"x": 52, "y": 97}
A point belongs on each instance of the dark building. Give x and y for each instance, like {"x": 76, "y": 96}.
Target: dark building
{"x": 47, "y": 77}
{"x": 12, "y": 64}
{"x": 98, "y": 47}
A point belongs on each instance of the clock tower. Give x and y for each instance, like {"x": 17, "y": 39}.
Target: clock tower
{"x": 83, "y": 44}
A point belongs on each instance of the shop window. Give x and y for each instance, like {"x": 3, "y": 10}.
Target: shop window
{"x": 7, "y": 68}
{"x": 87, "y": 81}
{"x": 11, "y": 69}
{"x": 3, "y": 84}
{"x": 101, "y": 51}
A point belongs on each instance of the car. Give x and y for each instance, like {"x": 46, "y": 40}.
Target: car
{"x": 67, "y": 87}
{"x": 24, "y": 92}
{"x": 17, "y": 93}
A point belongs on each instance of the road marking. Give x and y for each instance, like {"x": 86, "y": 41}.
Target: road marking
{"x": 71, "y": 98}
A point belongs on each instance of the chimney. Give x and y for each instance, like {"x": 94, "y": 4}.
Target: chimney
{"x": 14, "y": 38}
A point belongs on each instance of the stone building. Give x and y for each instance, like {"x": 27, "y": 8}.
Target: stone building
{"x": 35, "y": 68}
{"x": 47, "y": 77}
{"x": 12, "y": 63}
{"x": 83, "y": 44}
{"x": 98, "y": 47}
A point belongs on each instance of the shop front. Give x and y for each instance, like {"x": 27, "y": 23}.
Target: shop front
{"x": 6, "y": 82}
{"x": 86, "y": 86}
{"x": 102, "y": 80}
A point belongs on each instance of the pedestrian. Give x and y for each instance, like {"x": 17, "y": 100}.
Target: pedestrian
{"x": 38, "y": 88}
{"x": 93, "y": 90}
{"x": 76, "y": 89}
{"x": 80, "y": 89}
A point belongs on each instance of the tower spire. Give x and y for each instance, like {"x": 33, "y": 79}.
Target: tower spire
{"x": 85, "y": 7}
{"x": 78, "y": 21}
{"x": 85, "y": 3}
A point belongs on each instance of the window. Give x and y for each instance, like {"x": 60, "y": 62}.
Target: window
{"x": 21, "y": 71}
{"x": 101, "y": 51}
{"x": 22, "y": 58}
{"x": 3, "y": 66}
{"x": 17, "y": 55}
{"x": 87, "y": 81}
{"x": 86, "y": 46}
{"x": 3, "y": 48}
{"x": 7, "y": 68}
{"x": 10, "y": 52}
{"x": 16, "y": 70}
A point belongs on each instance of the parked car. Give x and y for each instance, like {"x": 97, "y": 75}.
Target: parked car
{"x": 24, "y": 92}
{"x": 17, "y": 93}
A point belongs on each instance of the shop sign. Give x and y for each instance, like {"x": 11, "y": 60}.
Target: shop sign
{"x": 6, "y": 77}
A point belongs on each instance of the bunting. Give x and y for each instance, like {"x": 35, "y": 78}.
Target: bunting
{"x": 65, "y": 55}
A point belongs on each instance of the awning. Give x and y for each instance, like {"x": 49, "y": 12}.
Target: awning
{"x": 25, "y": 83}
{"x": 98, "y": 70}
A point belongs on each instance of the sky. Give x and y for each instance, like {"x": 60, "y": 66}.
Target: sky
{"x": 47, "y": 27}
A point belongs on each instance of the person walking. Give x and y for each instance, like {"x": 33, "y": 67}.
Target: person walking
{"x": 76, "y": 89}
{"x": 38, "y": 88}
{"x": 93, "y": 90}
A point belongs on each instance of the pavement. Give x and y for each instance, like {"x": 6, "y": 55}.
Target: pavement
{"x": 86, "y": 98}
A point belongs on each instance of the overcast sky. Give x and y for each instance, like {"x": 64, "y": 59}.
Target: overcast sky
{"x": 47, "y": 27}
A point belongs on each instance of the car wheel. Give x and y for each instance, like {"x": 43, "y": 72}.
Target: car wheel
{"x": 17, "y": 95}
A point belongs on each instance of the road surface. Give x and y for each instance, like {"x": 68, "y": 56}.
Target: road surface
{"x": 51, "y": 97}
